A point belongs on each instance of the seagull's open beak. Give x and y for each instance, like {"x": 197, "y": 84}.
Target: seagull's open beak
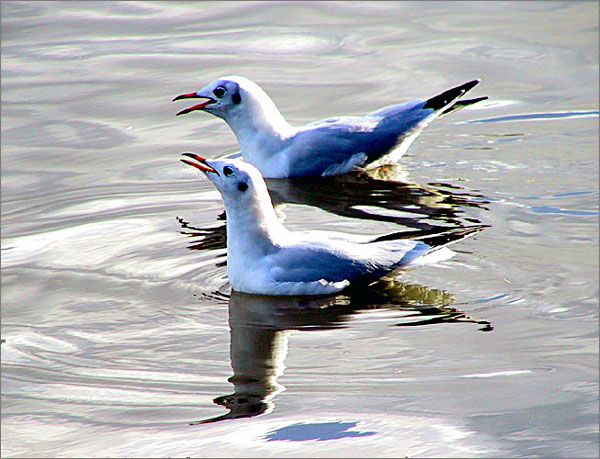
{"x": 193, "y": 95}
{"x": 202, "y": 164}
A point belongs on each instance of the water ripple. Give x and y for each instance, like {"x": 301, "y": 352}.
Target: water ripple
{"x": 537, "y": 117}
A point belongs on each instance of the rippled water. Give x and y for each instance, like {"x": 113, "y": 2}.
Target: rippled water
{"x": 120, "y": 334}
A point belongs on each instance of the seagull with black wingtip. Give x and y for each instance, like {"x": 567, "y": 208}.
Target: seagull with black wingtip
{"x": 328, "y": 147}
{"x": 264, "y": 257}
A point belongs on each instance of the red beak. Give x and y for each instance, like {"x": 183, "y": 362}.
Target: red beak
{"x": 193, "y": 95}
{"x": 189, "y": 95}
{"x": 202, "y": 163}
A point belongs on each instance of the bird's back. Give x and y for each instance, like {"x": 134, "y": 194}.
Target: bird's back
{"x": 337, "y": 145}
{"x": 311, "y": 259}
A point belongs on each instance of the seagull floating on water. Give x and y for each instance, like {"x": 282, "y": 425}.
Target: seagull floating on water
{"x": 264, "y": 257}
{"x": 328, "y": 147}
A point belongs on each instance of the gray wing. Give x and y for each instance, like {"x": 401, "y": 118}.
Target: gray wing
{"x": 335, "y": 141}
{"x": 309, "y": 265}
{"x": 344, "y": 261}
{"x": 336, "y": 145}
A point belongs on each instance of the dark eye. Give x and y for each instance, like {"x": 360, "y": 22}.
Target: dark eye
{"x": 219, "y": 91}
{"x": 227, "y": 171}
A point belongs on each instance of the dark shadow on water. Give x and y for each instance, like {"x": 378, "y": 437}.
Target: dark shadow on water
{"x": 378, "y": 195}
{"x": 213, "y": 238}
{"x": 320, "y": 431}
{"x": 260, "y": 326}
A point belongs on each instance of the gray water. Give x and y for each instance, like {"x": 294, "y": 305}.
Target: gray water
{"x": 122, "y": 337}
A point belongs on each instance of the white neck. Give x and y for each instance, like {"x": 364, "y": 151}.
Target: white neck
{"x": 260, "y": 128}
{"x": 253, "y": 228}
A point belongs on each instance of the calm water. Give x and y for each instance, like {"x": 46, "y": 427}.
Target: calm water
{"x": 122, "y": 337}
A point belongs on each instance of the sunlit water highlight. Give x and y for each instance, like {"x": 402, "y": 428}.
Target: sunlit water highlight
{"x": 121, "y": 337}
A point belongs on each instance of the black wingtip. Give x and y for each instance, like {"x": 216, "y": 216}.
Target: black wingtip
{"x": 462, "y": 104}
{"x": 447, "y": 97}
{"x": 445, "y": 238}
{"x": 466, "y": 102}
{"x": 434, "y": 237}
{"x": 471, "y": 84}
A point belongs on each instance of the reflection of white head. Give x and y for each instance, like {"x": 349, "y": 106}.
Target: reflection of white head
{"x": 259, "y": 344}
{"x": 257, "y": 359}
{"x": 258, "y": 351}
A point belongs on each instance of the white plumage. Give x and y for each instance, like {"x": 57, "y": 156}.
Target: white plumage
{"x": 264, "y": 257}
{"x": 327, "y": 147}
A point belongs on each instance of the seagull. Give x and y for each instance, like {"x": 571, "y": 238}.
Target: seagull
{"x": 328, "y": 147}
{"x": 264, "y": 257}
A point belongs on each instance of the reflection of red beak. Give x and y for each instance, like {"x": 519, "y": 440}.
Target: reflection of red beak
{"x": 203, "y": 163}
{"x": 193, "y": 95}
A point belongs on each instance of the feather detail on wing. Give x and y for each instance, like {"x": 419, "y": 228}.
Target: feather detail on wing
{"x": 320, "y": 287}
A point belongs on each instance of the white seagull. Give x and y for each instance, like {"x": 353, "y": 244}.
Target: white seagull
{"x": 328, "y": 147}
{"x": 264, "y": 257}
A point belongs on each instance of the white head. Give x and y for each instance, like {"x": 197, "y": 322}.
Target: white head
{"x": 239, "y": 101}
{"x": 243, "y": 190}
{"x": 236, "y": 180}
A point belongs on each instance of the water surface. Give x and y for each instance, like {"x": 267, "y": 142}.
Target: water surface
{"x": 122, "y": 337}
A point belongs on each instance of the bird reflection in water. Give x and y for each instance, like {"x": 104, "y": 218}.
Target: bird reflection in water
{"x": 379, "y": 194}
{"x": 260, "y": 326}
